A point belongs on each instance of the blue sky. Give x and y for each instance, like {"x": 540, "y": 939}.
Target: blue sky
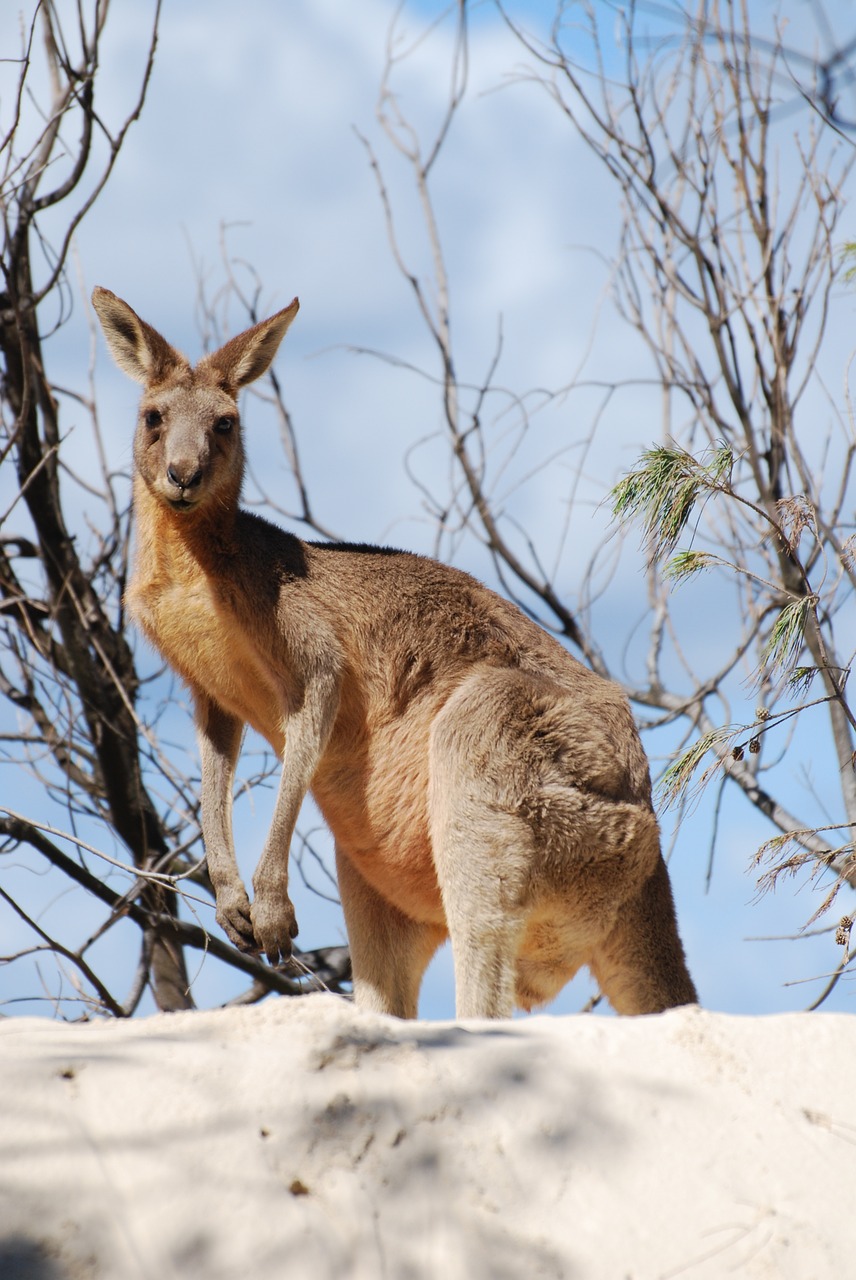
{"x": 250, "y": 139}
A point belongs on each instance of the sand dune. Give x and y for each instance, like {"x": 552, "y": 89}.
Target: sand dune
{"x": 302, "y": 1139}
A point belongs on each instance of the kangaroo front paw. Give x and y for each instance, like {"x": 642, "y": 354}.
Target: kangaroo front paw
{"x": 235, "y": 919}
{"x": 274, "y": 926}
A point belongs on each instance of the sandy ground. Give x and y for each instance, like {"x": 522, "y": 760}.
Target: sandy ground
{"x": 303, "y": 1139}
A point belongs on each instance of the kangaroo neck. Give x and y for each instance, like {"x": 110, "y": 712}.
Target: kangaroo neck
{"x": 184, "y": 542}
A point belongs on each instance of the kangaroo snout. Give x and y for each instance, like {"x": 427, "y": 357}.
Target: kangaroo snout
{"x": 184, "y": 476}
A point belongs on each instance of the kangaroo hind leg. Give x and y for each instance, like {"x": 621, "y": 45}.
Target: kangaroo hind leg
{"x": 389, "y": 951}
{"x": 483, "y": 850}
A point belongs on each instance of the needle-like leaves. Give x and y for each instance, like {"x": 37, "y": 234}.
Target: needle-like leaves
{"x": 786, "y": 635}
{"x": 663, "y": 490}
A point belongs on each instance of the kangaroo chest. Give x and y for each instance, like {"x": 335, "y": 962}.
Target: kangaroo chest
{"x": 206, "y": 641}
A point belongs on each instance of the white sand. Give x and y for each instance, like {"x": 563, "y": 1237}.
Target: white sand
{"x": 302, "y": 1139}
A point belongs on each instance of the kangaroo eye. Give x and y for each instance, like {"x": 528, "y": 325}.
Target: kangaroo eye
{"x": 224, "y": 425}
{"x": 152, "y": 418}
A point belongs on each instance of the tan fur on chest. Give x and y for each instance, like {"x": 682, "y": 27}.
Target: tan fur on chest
{"x": 186, "y": 619}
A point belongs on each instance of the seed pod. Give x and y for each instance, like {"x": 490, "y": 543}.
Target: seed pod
{"x": 842, "y": 933}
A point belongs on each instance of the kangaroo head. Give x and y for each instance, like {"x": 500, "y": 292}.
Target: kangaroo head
{"x": 187, "y": 446}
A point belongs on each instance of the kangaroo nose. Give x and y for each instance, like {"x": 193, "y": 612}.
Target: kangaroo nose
{"x": 183, "y": 479}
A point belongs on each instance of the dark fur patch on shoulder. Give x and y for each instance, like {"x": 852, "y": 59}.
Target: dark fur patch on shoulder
{"x": 360, "y": 548}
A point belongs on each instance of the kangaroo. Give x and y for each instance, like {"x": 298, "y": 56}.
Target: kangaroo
{"x": 480, "y": 783}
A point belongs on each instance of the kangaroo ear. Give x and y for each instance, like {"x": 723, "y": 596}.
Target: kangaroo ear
{"x": 249, "y": 355}
{"x": 138, "y": 349}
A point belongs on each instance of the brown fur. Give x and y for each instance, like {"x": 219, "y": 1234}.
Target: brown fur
{"x": 478, "y": 781}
